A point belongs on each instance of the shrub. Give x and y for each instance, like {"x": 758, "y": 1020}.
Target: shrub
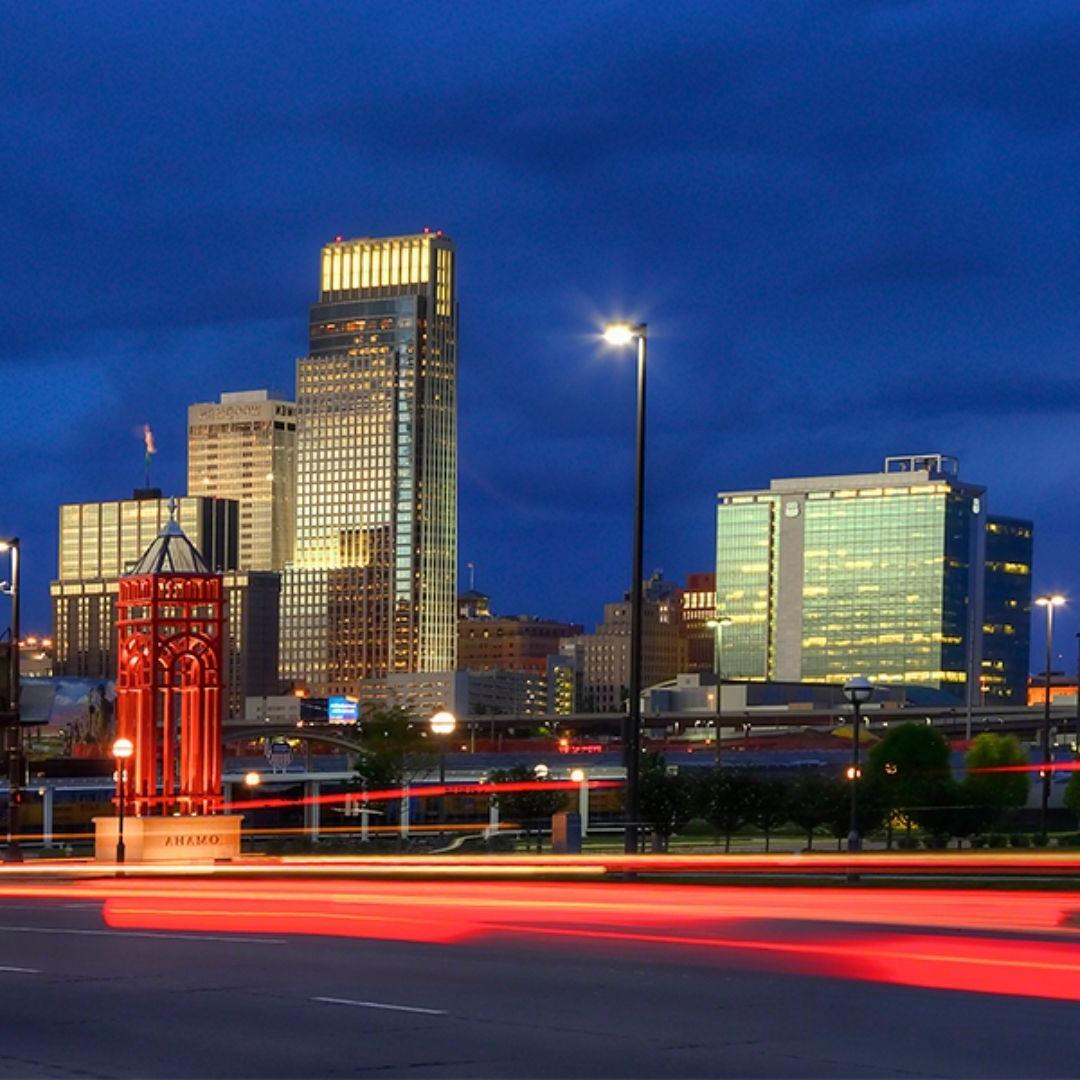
{"x": 907, "y": 843}
{"x": 1040, "y": 839}
{"x": 996, "y": 839}
{"x": 937, "y": 843}
{"x": 1019, "y": 839}
{"x": 1069, "y": 840}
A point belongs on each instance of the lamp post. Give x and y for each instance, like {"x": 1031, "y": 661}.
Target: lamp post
{"x": 12, "y": 723}
{"x": 622, "y": 334}
{"x": 122, "y": 749}
{"x": 442, "y": 726}
{"x": 858, "y": 691}
{"x": 718, "y": 667}
{"x": 1048, "y": 602}
{"x": 581, "y": 778}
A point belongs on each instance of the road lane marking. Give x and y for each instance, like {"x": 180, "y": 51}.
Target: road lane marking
{"x": 381, "y": 1005}
{"x": 21, "y": 971}
{"x": 142, "y": 934}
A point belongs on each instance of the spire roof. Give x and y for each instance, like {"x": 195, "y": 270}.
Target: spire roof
{"x": 171, "y": 552}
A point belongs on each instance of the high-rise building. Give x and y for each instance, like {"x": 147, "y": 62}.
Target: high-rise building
{"x": 604, "y": 656}
{"x": 370, "y": 592}
{"x": 244, "y": 448}
{"x": 698, "y": 610}
{"x": 876, "y": 574}
{"x": 1007, "y": 615}
{"x": 100, "y": 542}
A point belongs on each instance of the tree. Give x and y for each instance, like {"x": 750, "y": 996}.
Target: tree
{"x": 870, "y": 810}
{"x": 531, "y": 809}
{"x": 990, "y": 793}
{"x": 813, "y": 801}
{"x": 725, "y": 801}
{"x": 910, "y": 774}
{"x": 1072, "y": 793}
{"x": 769, "y": 804}
{"x": 394, "y": 749}
{"x": 665, "y": 799}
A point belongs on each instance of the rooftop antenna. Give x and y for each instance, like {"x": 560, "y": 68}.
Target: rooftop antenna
{"x": 472, "y": 576}
{"x": 151, "y": 449}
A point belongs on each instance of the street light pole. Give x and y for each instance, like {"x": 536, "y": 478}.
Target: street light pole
{"x": 442, "y": 726}
{"x": 718, "y": 667}
{"x": 122, "y": 750}
{"x": 623, "y": 334}
{"x": 858, "y": 691}
{"x": 13, "y": 723}
{"x": 1049, "y": 602}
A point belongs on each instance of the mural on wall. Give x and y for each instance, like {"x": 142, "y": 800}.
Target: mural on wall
{"x": 71, "y": 717}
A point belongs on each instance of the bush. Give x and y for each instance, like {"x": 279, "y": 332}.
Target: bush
{"x": 1040, "y": 839}
{"x": 979, "y": 841}
{"x": 1069, "y": 840}
{"x": 937, "y": 843}
{"x": 907, "y": 843}
{"x": 996, "y": 839}
{"x": 1019, "y": 839}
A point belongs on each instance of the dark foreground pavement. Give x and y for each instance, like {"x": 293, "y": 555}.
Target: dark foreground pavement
{"x": 80, "y": 999}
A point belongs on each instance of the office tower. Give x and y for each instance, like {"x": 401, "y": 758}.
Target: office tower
{"x": 876, "y": 574}
{"x": 100, "y": 542}
{"x": 370, "y": 592}
{"x": 604, "y": 656}
{"x": 1007, "y": 618}
{"x": 698, "y": 610}
{"x": 244, "y": 448}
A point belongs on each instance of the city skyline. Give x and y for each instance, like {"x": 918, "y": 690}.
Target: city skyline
{"x": 933, "y": 314}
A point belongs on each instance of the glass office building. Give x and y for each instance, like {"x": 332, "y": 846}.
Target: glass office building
{"x": 1007, "y": 618}
{"x": 880, "y": 574}
{"x": 371, "y": 590}
{"x": 243, "y": 447}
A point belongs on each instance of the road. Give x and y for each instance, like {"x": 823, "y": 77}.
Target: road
{"x": 497, "y": 979}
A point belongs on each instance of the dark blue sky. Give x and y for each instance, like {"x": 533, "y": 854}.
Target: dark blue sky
{"x": 852, "y": 228}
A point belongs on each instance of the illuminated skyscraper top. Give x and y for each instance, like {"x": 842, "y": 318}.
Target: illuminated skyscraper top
{"x": 372, "y": 587}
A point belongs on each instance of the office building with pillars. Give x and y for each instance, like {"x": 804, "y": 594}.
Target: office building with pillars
{"x": 243, "y": 447}
{"x": 370, "y": 592}
{"x": 875, "y": 574}
{"x": 102, "y": 541}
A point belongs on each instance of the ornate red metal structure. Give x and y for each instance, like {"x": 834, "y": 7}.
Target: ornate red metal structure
{"x": 169, "y": 684}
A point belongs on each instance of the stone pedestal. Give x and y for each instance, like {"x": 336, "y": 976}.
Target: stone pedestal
{"x": 170, "y": 839}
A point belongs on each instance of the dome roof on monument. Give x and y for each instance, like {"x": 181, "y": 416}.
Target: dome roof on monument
{"x": 171, "y": 553}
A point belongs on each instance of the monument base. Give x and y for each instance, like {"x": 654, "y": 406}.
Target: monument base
{"x": 170, "y": 839}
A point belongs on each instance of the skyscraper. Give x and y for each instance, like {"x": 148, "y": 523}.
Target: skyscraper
{"x": 877, "y": 574}
{"x": 1007, "y": 619}
{"x": 371, "y": 589}
{"x": 244, "y": 448}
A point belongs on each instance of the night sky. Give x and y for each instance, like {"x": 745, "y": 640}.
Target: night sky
{"x": 851, "y": 227}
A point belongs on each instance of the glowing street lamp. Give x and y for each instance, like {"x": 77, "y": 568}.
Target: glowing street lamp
{"x": 122, "y": 749}
{"x": 442, "y": 726}
{"x": 1048, "y": 602}
{"x": 621, "y": 334}
{"x": 858, "y": 691}
{"x": 581, "y": 778}
{"x": 252, "y": 779}
{"x": 718, "y": 662}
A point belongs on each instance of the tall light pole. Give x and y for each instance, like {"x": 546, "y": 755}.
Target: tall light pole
{"x": 718, "y": 667}
{"x": 623, "y": 334}
{"x": 442, "y": 726}
{"x": 581, "y": 778}
{"x": 1048, "y": 602}
{"x": 122, "y": 749}
{"x": 12, "y": 723}
{"x": 858, "y": 692}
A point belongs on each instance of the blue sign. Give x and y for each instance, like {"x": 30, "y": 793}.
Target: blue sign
{"x": 342, "y": 710}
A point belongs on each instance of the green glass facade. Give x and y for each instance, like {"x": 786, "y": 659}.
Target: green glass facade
{"x": 876, "y": 574}
{"x": 746, "y": 551}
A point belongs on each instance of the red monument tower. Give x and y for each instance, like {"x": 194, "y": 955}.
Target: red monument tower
{"x": 169, "y": 686}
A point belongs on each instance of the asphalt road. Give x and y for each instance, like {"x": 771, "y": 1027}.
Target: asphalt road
{"x": 78, "y": 998}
